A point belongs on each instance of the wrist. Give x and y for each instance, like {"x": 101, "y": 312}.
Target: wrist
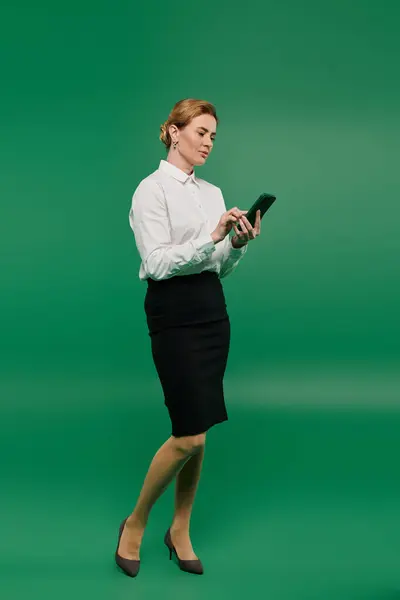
{"x": 215, "y": 238}
{"x": 237, "y": 245}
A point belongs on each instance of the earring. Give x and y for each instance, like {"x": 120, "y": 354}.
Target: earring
{"x": 174, "y": 144}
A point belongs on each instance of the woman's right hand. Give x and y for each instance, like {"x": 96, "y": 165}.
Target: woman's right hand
{"x": 226, "y": 222}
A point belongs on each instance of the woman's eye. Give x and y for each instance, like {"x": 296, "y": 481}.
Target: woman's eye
{"x": 203, "y": 134}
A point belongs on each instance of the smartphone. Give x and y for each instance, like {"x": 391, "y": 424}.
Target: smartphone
{"x": 263, "y": 203}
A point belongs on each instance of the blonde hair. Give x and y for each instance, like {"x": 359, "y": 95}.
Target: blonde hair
{"x": 182, "y": 114}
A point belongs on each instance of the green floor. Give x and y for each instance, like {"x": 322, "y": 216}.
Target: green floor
{"x": 295, "y": 501}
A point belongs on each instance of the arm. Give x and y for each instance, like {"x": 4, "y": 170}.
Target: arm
{"x": 231, "y": 255}
{"x": 149, "y": 222}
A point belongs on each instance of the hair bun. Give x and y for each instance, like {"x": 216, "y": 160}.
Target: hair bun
{"x": 164, "y": 134}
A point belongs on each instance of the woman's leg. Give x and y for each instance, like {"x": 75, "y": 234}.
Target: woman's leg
{"x": 167, "y": 462}
{"x": 187, "y": 481}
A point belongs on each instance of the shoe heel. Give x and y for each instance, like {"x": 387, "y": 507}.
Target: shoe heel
{"x": 191, "y": 566}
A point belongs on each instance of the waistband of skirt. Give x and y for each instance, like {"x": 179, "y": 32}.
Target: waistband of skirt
{"x": 184, "y": 279}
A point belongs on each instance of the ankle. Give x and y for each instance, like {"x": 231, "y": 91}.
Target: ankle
{"x": 135, "y": 522}
{"x": 180, "y": 526}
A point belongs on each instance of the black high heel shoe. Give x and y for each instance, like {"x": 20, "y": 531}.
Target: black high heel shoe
{"x": 130, "y": 567}
{"x": 190, "y": 566}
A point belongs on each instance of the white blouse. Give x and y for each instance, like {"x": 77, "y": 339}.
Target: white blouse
{"x": 172, "y": 217}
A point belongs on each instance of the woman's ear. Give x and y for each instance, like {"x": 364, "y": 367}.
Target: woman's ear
{"x": 172, "y": 130}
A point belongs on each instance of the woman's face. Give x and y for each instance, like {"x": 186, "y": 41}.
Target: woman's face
{"x": 196, "y": 140}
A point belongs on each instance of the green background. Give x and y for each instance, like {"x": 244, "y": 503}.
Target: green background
{"x": 299, "y": 496}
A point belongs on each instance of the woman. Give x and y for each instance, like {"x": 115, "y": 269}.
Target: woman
{"x": 181, "y": 228}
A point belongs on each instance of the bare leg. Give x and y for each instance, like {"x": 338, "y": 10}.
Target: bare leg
{"x": 187, "y": 481}
{"x": 166, "y": 463}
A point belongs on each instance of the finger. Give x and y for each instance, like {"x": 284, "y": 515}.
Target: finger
{"x": 243, "y": 227}
{"x": 238, "y": 214}
{"x": 237, "y": 211}
{"x": 245, "y": 233}
{"x": 238, "y": 231}
{"x": 251, "y": 231}
{"x": 246, "y": 226}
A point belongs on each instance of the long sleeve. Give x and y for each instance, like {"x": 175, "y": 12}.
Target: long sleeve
{"x": 149, "y": 222}
{"x": 230, "y": 256}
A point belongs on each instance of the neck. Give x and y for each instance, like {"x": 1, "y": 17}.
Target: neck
{"x": 176, "y": 159}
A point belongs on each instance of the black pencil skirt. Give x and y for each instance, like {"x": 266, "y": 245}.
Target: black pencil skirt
{"x": 190, "y": 331}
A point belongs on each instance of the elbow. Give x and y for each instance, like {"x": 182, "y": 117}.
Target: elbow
{"x": 153, "y": 266}
{"x": 157, "y": 268}
{"x": 154, "y": 271}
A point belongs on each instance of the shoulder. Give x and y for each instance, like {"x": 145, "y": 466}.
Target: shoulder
{"x": 149, "y": 185}
{"x": 209, "y": 187}
{"x": 150, "y": 182}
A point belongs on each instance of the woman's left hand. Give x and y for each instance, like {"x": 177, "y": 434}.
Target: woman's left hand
{"x": 247, "y": 232}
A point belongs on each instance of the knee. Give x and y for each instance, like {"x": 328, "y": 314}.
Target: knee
{"x": 191, "y": 444}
